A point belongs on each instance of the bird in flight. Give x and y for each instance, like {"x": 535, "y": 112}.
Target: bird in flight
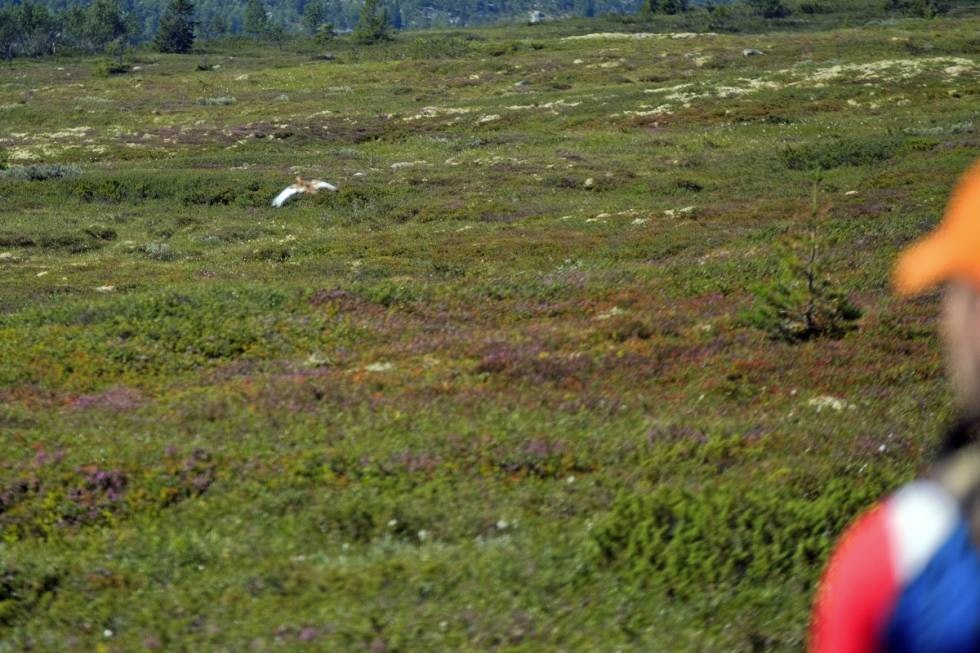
{"x": 301, "y": 186}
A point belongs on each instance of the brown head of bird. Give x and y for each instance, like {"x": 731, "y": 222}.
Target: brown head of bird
{"x": 306, "y": 186}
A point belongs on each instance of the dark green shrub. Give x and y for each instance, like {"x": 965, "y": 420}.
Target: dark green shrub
{"x": 233, "y": 234}
{"x": 73, "y": 242}
{"x": 735, "y": 535}
{"x": 837, "y": 152}
{"x": 23, "y": 591}
{"x": 210, "y": 194}
{"x": 108, "y": 67}
{"x": 188, "y": 189}
{"x": 368, "y": 514}
{"x": 439, "y": 47}
{"x": 106, "y": 190}
{"x": 100, "y": 232}
{"x": 270, "y": 254}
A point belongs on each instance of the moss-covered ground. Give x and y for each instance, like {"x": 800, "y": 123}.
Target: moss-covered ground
{"x": 496, "y": 392}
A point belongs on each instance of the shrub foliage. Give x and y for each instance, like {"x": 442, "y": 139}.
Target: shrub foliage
{"x": 798, "y": 302}
{"x": 688, "y": 540}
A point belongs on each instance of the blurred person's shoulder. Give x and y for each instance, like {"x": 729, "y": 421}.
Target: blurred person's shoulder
{"x": 905, "y": 577}
{"x": 935, "y": 530}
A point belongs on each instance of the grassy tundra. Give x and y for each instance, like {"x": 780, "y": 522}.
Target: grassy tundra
{"x": 500, "y": 391}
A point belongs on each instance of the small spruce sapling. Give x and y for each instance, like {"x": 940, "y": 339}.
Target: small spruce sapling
{"x": 799, "y": 302}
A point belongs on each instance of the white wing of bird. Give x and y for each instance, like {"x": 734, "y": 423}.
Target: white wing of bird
{"x": 301, "y": 186}
{"x": 322, "y": 185}
{"x": 287, "y": 193}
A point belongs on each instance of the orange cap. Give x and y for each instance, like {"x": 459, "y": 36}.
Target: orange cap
{"x": 953, "y": 250}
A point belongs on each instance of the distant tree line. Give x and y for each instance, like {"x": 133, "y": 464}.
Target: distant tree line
{"x": 40, "y": 27}
{"x": 764, "y": 8}
{"x": 31, "y": 28}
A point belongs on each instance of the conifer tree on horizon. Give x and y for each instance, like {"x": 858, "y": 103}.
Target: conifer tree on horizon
{"x": 770, "y": 8}
{"x": 176, "y": 32}
{"x": 256, "y": 20}
{"x": 8, "y": 32}
{"x": 105, "y": 24}
{"x": 675, "y": 6}
{"x": 215, "y": 26}
{"x": 276, "y": 33}
{"x": 313, "y": 17}
{"x": 373, "y": 25}
{"x": 665, "y": 6}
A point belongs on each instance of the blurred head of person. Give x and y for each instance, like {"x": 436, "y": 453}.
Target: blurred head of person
{"x": 951, "y": 255}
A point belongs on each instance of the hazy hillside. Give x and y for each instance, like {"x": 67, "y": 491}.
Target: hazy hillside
{"x": 343, "y": 13}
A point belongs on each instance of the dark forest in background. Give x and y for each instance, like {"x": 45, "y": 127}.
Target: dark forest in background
{"x": 231, "y": 16}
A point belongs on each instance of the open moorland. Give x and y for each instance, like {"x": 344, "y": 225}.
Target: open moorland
{"x": 501, "y": 390}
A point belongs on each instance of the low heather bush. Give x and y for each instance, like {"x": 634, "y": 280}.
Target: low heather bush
{"x": 40, "y": 171}
{"x": 217, "y": 101}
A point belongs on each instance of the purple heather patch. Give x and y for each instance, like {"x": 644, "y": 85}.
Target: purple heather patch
{"x": 100, "y": 491}
{"x": 531, "y": 362}
{"x": 119, "y": 398}
{"x": 675, "y": 433}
